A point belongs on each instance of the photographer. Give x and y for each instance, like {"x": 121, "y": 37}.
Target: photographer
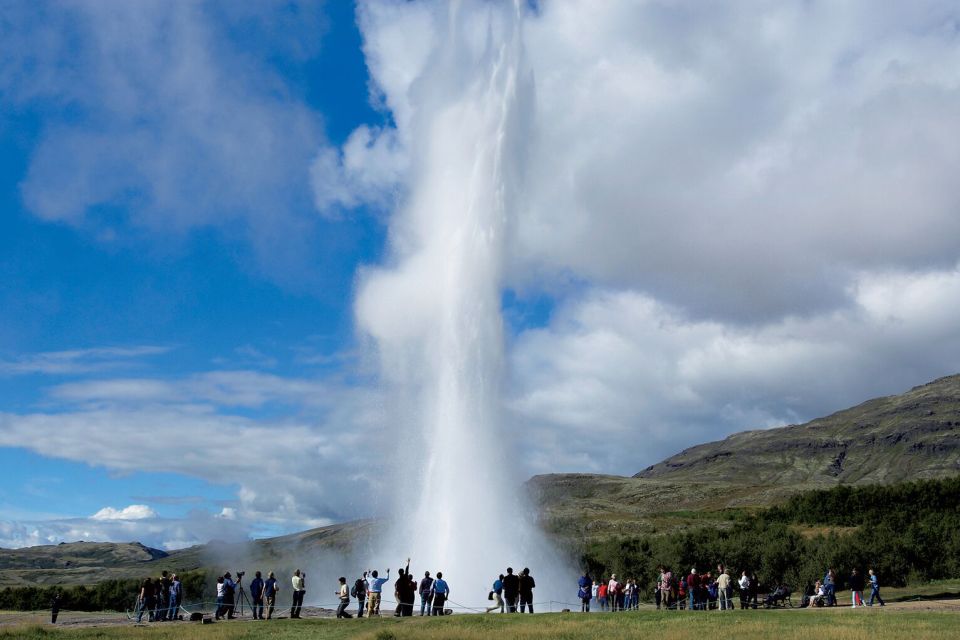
{"x": 229, "y": 589}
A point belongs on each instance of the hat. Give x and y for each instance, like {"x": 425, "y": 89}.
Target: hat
{"x": 694, "y": 570}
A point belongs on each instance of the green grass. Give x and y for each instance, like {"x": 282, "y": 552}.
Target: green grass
{"x": 840, "y": 624}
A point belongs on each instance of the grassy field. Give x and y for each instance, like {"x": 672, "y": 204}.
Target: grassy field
{"x": 840, "y": 623}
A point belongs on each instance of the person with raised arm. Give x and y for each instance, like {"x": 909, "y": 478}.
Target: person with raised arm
{"x": 376, "y": 588}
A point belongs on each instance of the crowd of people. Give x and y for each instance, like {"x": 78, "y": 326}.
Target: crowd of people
{"x": 700, "y": 591}
{"x": 160, "y": 598}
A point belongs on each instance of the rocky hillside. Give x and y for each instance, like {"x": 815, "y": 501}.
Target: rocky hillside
{"x": 907, "y": 437}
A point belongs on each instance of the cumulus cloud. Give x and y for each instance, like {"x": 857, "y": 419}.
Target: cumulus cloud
{"x": 619, "y": 381}
{"x": 265, "y": 434}
{"x": 743, "y": 163}
{"x": 133, "y": 512}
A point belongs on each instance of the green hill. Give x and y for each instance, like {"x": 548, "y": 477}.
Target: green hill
{"x": 911, "y": 436}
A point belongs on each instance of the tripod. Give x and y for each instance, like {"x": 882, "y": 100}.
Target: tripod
{"x": 241, "y": 596}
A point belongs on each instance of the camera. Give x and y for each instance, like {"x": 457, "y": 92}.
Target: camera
{"x": 240, "y": 574}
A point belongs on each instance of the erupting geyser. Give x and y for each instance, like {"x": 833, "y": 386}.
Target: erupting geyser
{"x": 435, "y": 314}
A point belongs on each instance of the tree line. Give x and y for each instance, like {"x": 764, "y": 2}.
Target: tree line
{"x": 109, "y": 595}
{"x": 907, "y": 532}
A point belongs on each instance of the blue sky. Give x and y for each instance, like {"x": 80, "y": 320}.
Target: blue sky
{"x": 190, "y": 193}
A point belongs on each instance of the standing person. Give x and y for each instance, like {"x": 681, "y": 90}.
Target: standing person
{"x": 229, "y": 588}
{"x": 376, "y": 587}
{"x": 55, "y": 607}
{"x": 856, "y": 589}
{"x": 693, "y": 583}
{"x": 176, "y": 596}
{"x": 593, "y": 592}
{"x": 400, "y": 589}
{"x": 527, "y": 585}
{"x": 360, "y": 593}
{"x": 602, "y": 595}
{"x": 666, "y": 588}
{"x": 344, "y": 594}
{"x": 754, "y": 589}
{"x": 585, "y": 592}
{"x": 221, "y": 598}
{"x": 299, "y": 590}
{"x": 744, "y": 590}
{"x": 163, "y": 596}
{"x": 511, "y": 588}
{"x": 725, "y": 591}
{"x": 270, "y": 589}
{"x": 496, "y": 594}
{"x": 145, "y": 600}
{"x": 874, "y": 589}
{"x": 426, "y": 584}
{"x": 829, "y": 587}
{"x": 440, "y": 592}
{"x": 613, "y": 589}
{"x": 256, "y": 596}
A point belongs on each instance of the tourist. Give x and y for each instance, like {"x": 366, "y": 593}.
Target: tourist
{"x": 602, "y": 595}
{"x": 829, "y": 588}
{"x": 754, "y": 589}
{"x": 376, "y": 586}
{"x": 613, "y": 592}
{"x": 426, "y": 583}
{"x": 344, "y": 594}
{"x": 163, "y": 595}
{"x": 299, "y": 585}
{"x": 411, "y": 593}
{"x": 229, "y": 587}
{"x": 874, "y": 590}
{"x": 693, "y": 582}
{"x": 744, "y": 590}
{"x": 725, "y": 591}
{"x": 55, "y": 607}
{"x": 585, "y": 593}
{"x": 496, "y": 594}
{"x": 221, "y": 598}
{"x": 666, "y": 588}
{"x": 145, "y": 600}
{"x": 511, "y": 588}
{"x": 527, "y": 585}
{"x": 403, "y": 593}
{"x": 270, "y": 589}
{"x": 856, "y": 589}
{"x": 176, "y": 596}
{"x": 439, "y": 594}
{"x": 256, "y": 596}
{"x": 360, "y": 593}
{"x": 593, "y": 592}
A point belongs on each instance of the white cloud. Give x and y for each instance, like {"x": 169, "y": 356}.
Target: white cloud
{"x": 619, "y": 381}
{"x": 156, "y": 118}
{"x": 76, "y": 361}
{"x": 132, "y": 512}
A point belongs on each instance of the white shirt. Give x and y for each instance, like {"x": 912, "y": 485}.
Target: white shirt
{"x": 297, "y": 583}
{"x": 744, "y": 582}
